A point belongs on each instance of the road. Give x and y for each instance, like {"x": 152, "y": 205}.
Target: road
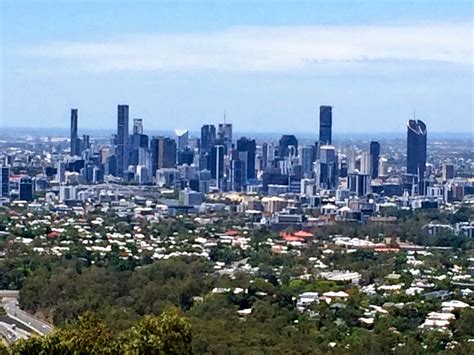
{"x": 11, "y": 333}
{"x": 38, "y": 326}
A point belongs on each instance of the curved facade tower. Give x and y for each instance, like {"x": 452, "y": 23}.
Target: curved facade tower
{"x": 416, "y": 149}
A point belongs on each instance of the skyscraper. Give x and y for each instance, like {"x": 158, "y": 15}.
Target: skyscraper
{"x": 86, "y": 142}
{"x": 358, "y": 183}
{"x": 448, "y": 171}
{"x": 326, "y": 167}
{"x": 351, "y": 159}
{"x": 26, "y": 189}
{"x": 137, "y": 126}
{"x": 4, "y": 181}
{"x": 325, "y": 125}
{"x": 208, "y": 137}
{"x": 217, "y": 164}
{"x": 183, "y": 136}
{"x": 247, "y": 150}
{"x": 365, "y": 163}
{"x": 306, "y": 158}
{"x": 374, "y": 159}
{"x": 264, "y": 156}
{"x": 166, "y": 155}
{"x": 287, "y": 141}
{"x": 75, "y": 142}
{"x": 416, "y": 150}
{"x": 122, "y": 139}
{"x": 61, "y": 172}
{"x": 224, "y": 135}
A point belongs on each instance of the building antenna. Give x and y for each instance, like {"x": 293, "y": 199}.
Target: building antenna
{"x": 414, "y": 114}
{"x": 224, "y": 117}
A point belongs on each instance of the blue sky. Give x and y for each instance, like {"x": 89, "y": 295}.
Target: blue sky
{"x": 268, "y": 64}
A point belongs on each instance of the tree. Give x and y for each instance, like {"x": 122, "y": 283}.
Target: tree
{"x": 88, "y": 336}
{"x": 465, "y": 324}
{"x": 168, "y": 334}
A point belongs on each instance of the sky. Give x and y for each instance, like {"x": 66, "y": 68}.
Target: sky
{"x": 268, "y": 65}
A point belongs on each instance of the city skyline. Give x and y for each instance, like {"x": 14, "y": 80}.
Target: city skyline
{"x": 188, "y": 64}
{"x": 207, "y": 177}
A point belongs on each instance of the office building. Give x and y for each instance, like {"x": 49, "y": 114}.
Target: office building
{"x": 237, "y": 173}
{"x": 182, "y": 136}
{"x": 224, "y": 135}
{"x": 383, "y": 166}
{"x": 208, "y": 138}
{"x": 26, "y": 189}
{"x": 326, "y": 167}
{"x": 61, "y": 172}
{"x": 247, "y": 149}
{"x": 137, "y": 126}
{"x": 217, "y": 163}
{"x": 138, "y": 145}
{"x": 185, "y": 156}
{"x": 4, "y": 181}
{"x": 325, "y": 125}
{"x": 167, "y": 177}
{"x": 142, "y": 176}
{"x": 416, "y": 151}
{"x": 264, "y": 156}
{"x": 287, "y": 145}
{"x": 358, "y": 183}
{"x": 191, "y": 198}
{"x": 448, "y": 172}
{"x": 374, "y": 159}
{"x": 365, "y": 163}
{"x": 75, "y": 141}
{"x": 351, "y": 159}
{"x": 307, "y": 155}
{"x": 166, "y": 153}
{"x": 122, "y": 139}
{"x": 86, "y": 142}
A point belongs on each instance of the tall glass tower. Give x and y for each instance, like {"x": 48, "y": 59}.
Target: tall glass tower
{"x": 374, "y": 159}
{"x": 122, "y": 139}
{"x": 325, "y": 125}
{"x": 416, "y": 150}
{"x": 75, "y": 145}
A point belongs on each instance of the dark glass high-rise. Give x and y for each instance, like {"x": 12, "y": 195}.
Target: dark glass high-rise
{"x": 325, "y": 125}
{"x": 122, "y": 139}
{"x": 208, "y": 138}
{"x": 416, "y": 150}
{"x": 75, "y": 144}
{"x": 249, "y": 146}
{"x": 374, "y": 159}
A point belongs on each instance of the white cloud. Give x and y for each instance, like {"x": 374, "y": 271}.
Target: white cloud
{"x": 267, "y": 48}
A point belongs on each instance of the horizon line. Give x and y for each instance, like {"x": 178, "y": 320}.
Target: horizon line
{"x": 242, "y": 131}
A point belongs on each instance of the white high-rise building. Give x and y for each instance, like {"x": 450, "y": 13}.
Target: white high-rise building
{"x": 137, "y": 126}
{"x": 142, "y": 175}
{"x": 365, "y": 163}
{"x": 351, "y": 159}
{"x": 383, "y": 166}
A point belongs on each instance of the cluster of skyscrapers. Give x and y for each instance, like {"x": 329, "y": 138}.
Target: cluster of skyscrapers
{"x": 215, "y": 161}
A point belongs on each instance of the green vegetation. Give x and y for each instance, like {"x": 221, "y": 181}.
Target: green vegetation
{"x": 119, "y": 301}
{"x": 167, "y": 334}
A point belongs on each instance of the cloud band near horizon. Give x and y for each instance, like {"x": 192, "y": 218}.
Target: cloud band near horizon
{"x": 265, "y": 48}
